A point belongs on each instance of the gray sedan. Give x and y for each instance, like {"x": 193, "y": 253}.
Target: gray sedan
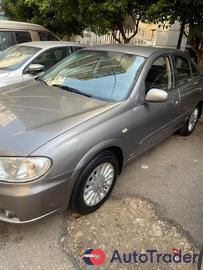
{"x": 65, "y": 137}
{"x": 28, "y": 60}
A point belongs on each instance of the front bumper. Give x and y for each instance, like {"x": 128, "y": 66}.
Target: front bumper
{"x": 34, "y": 200}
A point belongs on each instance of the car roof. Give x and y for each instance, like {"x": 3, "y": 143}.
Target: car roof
{"x": 131, "y": 49}
{"x": 5, "y": 24}
{"x": 50, "y": 44}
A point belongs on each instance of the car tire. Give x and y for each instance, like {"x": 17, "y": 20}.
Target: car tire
{"x": 190, "y": 124}
{"x": 95, "y": 183}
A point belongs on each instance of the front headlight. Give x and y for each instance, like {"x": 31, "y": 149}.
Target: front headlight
{"x": 22, "y": 169}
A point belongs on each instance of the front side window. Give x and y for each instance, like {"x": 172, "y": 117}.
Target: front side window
{"x": 22, "y": 37}
{"x": 47, "y": 36}
{"x": 7, "y": 40}
{"x": 50, "y": 57}
{"x": 182, "y": 70}
{"x": 159, "y": 75}
{"x": 101, "y": 74}
{"x": 14, "y": 57}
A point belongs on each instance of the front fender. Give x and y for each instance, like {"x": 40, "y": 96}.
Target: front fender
{"x": 93, "y": 152}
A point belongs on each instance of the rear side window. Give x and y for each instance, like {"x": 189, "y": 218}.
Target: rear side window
{"x": 182, "y": 66}
{"x": 22, "y": 37}
{"x": 46, "y": 36}
{"x": 159, "y": 75}
{"x": 7, "y": 40}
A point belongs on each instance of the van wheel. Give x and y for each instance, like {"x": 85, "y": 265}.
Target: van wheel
{"x": 189, "y": 126}
{"x": 95, "y": 183}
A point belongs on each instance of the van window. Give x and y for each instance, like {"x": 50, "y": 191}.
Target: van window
{"x": 47, "y": 36}
{"x": 22, "y": 37}
{"x": 7, "y": 40}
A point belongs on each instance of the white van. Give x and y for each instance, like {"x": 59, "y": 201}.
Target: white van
{"x": 12, "y": 33}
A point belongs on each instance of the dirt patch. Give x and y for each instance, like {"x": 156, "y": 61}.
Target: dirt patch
{"x": 127, "y": 225}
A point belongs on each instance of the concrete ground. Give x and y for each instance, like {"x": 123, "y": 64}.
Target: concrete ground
{"x": 173, "y": 182}
{"x": 168, "y": 177}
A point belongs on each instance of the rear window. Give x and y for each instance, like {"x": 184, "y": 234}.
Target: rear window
{"x": 47, "y": 36}
{"x": 15, "y": 57}
{"x": 7, "y": 39}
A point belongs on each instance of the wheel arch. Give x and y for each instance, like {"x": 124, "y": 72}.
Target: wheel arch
{"x": 115, "y": 146}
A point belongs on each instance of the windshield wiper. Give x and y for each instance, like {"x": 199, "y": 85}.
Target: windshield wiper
{"x": 71, "y": 90}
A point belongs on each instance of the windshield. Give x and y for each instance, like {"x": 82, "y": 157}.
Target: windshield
{"x": 101, "y": 74}
{"x": 15, "y": 57}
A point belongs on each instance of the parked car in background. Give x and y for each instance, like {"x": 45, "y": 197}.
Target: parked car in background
{"x": 28, "y": 60}
{"x": 12, "y": 33}
{"x": 65, "y": 137}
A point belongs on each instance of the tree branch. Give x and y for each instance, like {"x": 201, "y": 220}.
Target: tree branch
{"x": 185, "y": 34}
{"x": 114, "y": 36}
{"x": 136, "y": 28}
{"x": 125, "y": 39}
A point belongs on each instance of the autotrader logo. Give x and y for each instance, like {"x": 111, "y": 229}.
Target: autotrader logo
{"x": 94, "y": 256}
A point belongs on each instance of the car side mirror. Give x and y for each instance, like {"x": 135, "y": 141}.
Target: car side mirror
{"x": 156, "y": 95}
{"x": 35, "y": 68}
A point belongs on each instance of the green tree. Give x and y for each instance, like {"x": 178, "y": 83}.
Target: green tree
{"x": 103, "y": 16}
{"x": 66, "y": 17}
{"x": 189, "y": 13}
{"x": 60, "y": 16}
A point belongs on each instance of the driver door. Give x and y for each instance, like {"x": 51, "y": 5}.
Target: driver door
{"x": 154, "y": 121}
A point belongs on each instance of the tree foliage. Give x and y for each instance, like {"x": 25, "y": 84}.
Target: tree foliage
{"x": 67, "y": 17}
{"x": 103, "y": 16}
{"x": 71, "y": 16}
{"x": 188, "y": 13}
{"x": 60, "y": 16}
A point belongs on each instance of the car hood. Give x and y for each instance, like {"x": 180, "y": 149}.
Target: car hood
{"x": 31, "y": 114}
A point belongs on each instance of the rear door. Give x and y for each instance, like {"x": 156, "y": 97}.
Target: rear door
{"x": 188, "y": 84}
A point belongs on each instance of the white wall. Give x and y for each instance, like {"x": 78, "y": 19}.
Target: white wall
{"x": 169, "y": 37}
